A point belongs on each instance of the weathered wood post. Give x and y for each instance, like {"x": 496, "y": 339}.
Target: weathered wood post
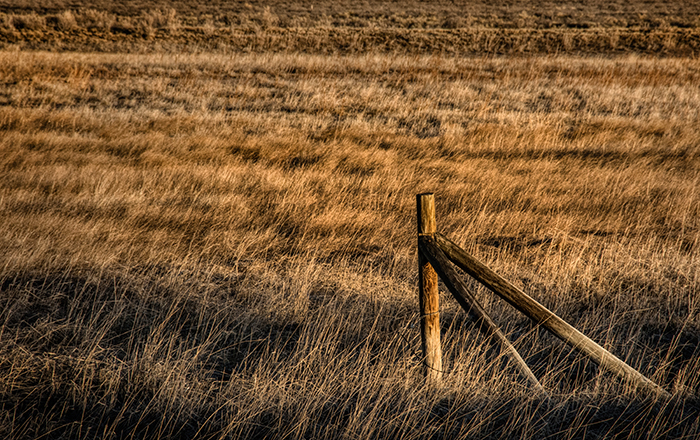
{"x": 428, "y": 296}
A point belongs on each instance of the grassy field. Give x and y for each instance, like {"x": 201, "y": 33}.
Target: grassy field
{"x": 350, "y": 27}
{"x": 221, "y": 244}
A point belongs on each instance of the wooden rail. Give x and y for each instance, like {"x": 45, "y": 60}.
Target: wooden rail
{"x": 543, "y": 316}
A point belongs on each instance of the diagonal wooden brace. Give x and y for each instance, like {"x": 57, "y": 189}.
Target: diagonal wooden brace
{"x": 455, "y": 285}
{"x": 543, "y": 316}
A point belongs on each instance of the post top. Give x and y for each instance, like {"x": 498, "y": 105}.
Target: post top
{"x": 426, "y": 213}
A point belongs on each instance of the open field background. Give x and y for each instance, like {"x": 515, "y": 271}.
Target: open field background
{"x": 224, "y": 245}
{"x": 438, "y": 27}
{"x": 210, "y": 243}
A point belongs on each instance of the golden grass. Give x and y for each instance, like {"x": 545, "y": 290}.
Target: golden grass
{"x": 223, "y": 246}
{"x": 344, "y": 27}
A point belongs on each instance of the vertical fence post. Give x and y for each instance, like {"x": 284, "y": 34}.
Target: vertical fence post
{"x": 428, "y": 293}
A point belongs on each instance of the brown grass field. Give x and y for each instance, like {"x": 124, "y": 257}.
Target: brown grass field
{"x": 438, "y": 27}
{"x": 205, "y": 238}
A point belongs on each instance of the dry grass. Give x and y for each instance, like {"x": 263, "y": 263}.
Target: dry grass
{"x": 406, "y": 27}
{"x": 222, "y": 246}
{"x": 407, "y": 13}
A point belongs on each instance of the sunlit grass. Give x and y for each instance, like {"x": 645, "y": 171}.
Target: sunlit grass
{"x": 224, "y": 246}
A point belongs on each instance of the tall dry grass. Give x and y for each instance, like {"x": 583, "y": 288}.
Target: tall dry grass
{"x": 222, "y": 246}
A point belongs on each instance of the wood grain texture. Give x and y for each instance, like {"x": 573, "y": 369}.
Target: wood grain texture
{"x": 428, "y": 294}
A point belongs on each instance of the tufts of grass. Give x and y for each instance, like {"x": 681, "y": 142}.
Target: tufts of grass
{"x": 214, "y": 246}
{"x": 654, "y": 27}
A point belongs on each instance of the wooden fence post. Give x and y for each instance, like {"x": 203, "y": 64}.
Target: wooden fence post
{"x": 428, "y": 296}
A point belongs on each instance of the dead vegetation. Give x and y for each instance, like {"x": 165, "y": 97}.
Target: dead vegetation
{"x": 221, "y": 244}
{"x": 207, "y": 246}
{"x": 455, "y": 28}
